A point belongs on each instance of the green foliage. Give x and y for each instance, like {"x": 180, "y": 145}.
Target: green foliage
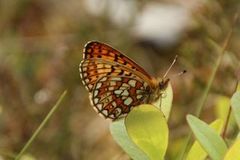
{"x": 233, "y": 152}
{"x": 209, "y": 139}
{"x": 120, "y": 135}
{"x": 235, "y": 103}
{"x": 197, "y": 152}
{"x": 147, "y": 127}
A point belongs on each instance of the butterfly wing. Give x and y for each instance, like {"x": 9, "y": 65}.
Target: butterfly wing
{"x": 96, "y": 49}
{"x": 115, "y": 83}
{"x": 114, "y": 96}
{"x": 100, "y": 59}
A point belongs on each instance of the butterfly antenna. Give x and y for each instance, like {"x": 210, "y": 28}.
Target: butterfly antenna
{"x": 170, "y": 67}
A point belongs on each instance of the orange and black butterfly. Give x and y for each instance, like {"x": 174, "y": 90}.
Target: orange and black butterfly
{"x": 115, "y": 82}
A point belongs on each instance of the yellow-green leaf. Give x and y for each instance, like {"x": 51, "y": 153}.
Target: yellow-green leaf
{"x": 235, "y": 104}
{"x": 211, "y": 142}
{"x": 119, "y": 133}
{"x": 147, "y": 127}
{"x": 165, "y": 102}
{"x": 234, "y": 152}
{"x": 197, "y": 152}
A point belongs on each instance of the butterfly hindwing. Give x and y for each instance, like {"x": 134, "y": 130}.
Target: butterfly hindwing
{"x": 113, "y": 97}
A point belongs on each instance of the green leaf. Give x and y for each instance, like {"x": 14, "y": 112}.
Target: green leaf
{"x": 165, "y": 102}
{"x": 235, "y": 103}
{"x": 221, "y": 107}
{"x": 233, "y": 152}
{"x": 147, "y": 127}
{"x": 197, "y": 152}
{"x": 212, "y": 143}
{"x": 119, "y": 133}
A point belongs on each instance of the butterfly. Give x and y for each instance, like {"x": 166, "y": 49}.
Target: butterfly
{"x": 116, "y": 83}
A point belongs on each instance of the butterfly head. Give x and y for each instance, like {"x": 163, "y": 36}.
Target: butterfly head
{"x": 163, "y": 83}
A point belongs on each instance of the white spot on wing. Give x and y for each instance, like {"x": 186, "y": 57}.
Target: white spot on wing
{"x": 99, "y": 106}
{"x": 139, "y": 96}
{"x": 113, "y": 83}
{"x": 116, "y": 79}
{"x": 118, "y": 92}
{"x": 125, "y": 93}
{"x": 128, "y": 101}
{"x": 95, "y": 100}
{"x": 112, "y": 116}
{"x": 103, "y": 79}
{"x": 104, "y": 112}
{"x": 95, "y": 93}
{"x": 125, "y": 85}
{"x": 98, "y": 85}
{"x": 132, "y": 83}
{"x": 114, "y": 104}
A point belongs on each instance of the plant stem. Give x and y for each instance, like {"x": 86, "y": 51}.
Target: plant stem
{"x": 35, "y": 134}
{"x": 207, "y": 89}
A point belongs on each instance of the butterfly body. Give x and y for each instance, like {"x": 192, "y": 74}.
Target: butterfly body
{"x": 115, "y": 82}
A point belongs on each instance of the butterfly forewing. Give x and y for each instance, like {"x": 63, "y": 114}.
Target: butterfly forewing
{"x": 115, "y": 82}
{"x": 100, "y": 50}
{"x": 93, "y": 69}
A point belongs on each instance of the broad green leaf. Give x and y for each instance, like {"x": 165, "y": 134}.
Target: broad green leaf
{"x": 234, "y": 152}
{"x": 235, "y": 104}
{"x": 165, "y": 102}
{"x": 119, "y": 133}
{"x": 211, "y": 142}
{"x": 147, "y": 127}
{"x": 197, "y": 152}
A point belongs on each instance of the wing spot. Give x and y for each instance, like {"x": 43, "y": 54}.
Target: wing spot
{"x": 118, "y": 92}
{"x": 125, "y": 85}
{"x": 139, "y": 96}
{"x": 95, "y": 93}
{"x": 104, "y": 112}
{"x": 90, "y": 86}
{"x": 114, "y": 104}
{"x": 99, "y": 106}
{"x": 125, "y": 93}
{"x": 95, "y": 100}
{"x": 128, "y": 101}
{"x": 132, "y": 83}
{"x": 116, "y": 79}
{"x": 98, "y": 85}
{"x": 112, "y": 83}
{"x": 103, "y": 79}
{"x": 118, "y": 111}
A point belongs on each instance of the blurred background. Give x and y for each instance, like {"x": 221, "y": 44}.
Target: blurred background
{"x": 41, "y": 44}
